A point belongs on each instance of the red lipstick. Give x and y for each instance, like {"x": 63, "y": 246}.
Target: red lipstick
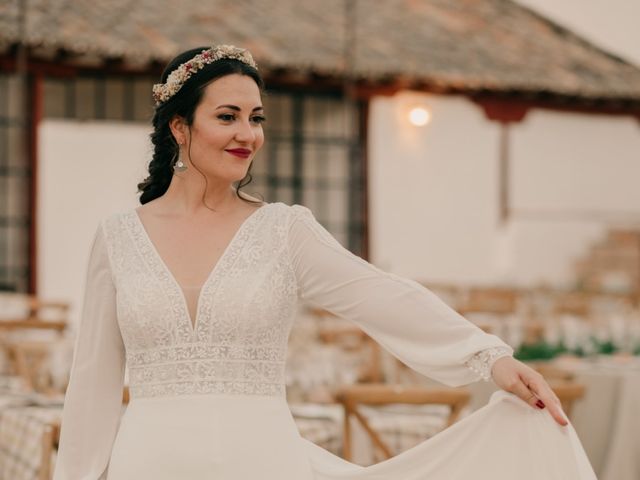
{"x": 239, "y": 152}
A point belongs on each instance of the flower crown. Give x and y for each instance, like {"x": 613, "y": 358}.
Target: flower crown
{"x": 177, "y": 78}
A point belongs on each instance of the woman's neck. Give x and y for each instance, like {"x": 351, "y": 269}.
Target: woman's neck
{"x": 186, "y": 197}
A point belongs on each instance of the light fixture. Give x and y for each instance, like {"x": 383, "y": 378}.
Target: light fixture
{"x": 419, "y": 116}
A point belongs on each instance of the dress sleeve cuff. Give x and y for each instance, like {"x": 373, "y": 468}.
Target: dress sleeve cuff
{"x": 482, "y": 362}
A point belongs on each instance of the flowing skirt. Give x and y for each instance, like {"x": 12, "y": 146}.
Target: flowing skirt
{"x": 236, "y": 437}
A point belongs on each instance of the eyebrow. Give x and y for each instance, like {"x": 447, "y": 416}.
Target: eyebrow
{"x": 236, "y": 108}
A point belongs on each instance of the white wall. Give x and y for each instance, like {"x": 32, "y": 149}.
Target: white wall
{"x": 87, "y": 170}
{"x": 434, "y": 191}
{"x": 578, "y": 174}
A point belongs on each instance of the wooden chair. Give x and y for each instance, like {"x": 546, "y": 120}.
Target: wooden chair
{"x": 500, "y": 301}
{"x": 33, "y": 318}
{"x": 30, "y": 360}
{"x": 49, "y": 444}
{"x": 44, "y": 309}
{"x": 33, "y": 323}
{"x": 125, "y": 395}
{"x": 572, "y": 303}
{"x": 352, "y": 338}
{"x": 450, "y": 294}
{"x": 552, "y": 373}
{"x": 568, "y": 393}
{"x": 50, "y": 441}
{"x": 489, "y": 307}
{"x": 39, "y": 314}
{"x": 354, "y": 396}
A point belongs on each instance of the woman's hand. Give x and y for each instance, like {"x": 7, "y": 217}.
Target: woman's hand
{"x": 517, "y": 378}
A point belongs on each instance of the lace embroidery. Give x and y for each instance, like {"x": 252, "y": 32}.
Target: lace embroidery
{"x": 237, "y": 387}
{"x": 482, "y": 362}
{"x": 244, "y": 315}
{"x": 199, "y": 351}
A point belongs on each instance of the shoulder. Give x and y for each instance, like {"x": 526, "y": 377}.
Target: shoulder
{"x": 289, "y": 213}
{"x": 117, "y": 217}
{"x": 299, "y": 221}
{"x": 112, "y": 224}
{"x": 292, "y": 210}
{"x": 283, "y": 218}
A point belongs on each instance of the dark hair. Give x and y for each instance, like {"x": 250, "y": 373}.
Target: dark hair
{"x": 183, "y": 104}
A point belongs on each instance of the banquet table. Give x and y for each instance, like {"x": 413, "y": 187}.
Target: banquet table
{"x": 607, "y": 419}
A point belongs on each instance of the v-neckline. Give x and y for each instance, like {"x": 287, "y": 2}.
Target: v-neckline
{"x": 193, "y": 323}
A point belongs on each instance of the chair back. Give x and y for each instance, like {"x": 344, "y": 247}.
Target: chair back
{"x": 48, "y": 447}
{"x": 354, "y": 396}
{"x": 568, "y": 393}
{"x": 31, "y": 361}
{"x": 351, "y": 338}
{"x": 553, "y": 373}
{"x": 501, "y": 301}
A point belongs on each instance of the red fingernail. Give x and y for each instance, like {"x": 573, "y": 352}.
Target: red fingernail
{"x": 540, "y": 404}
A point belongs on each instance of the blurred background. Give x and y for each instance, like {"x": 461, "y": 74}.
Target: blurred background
{"x": 488, "y": 149}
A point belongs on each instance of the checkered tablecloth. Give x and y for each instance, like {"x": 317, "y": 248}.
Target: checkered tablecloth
{"x": 400, "y": 427}
{"x": 324, "y": 432}
{"x": 21, "y": 433}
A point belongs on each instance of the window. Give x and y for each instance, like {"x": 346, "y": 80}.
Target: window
{"x": 99, "y": 98}
{"x": 14, "y": 186}
{"x": 312, "y": 156}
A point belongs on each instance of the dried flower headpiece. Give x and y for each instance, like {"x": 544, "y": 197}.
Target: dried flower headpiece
{"x": 176, "y": 79}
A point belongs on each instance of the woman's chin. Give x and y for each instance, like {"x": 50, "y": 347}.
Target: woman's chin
{"x": 230, "y": 175}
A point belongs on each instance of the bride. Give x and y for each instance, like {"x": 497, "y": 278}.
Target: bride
{"x": 195, "y": 292}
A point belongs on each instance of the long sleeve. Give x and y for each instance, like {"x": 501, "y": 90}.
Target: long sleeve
{"x": 93, "y": 401}
{"x": 403, "y": 316}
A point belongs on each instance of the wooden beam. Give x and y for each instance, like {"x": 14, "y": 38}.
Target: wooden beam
{"x": 35, "y": 109}
{"x": 364, "y": 175}
{"x": 504, "y": 193}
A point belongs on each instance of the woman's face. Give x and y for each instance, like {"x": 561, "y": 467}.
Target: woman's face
{"x": 227, "y": 131}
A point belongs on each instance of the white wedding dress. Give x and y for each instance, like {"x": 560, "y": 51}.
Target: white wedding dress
{"x": 208, "y": 399}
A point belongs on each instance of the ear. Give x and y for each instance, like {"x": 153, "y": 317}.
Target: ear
{"x": 179, "y": 129}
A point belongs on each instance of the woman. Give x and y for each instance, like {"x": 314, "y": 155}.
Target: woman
{"x": 196, "y": 291}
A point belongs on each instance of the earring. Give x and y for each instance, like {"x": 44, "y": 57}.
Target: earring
{"x": 178, "y": 166}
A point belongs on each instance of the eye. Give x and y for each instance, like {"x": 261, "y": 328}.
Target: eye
{"x": 258, "y": 119}
{"x": 226, "y": 117}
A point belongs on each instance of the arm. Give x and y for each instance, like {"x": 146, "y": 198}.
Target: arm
{"x": 406, "y": 318}
{"x": 403, "y": 316}
{"x": 93, "y": 399}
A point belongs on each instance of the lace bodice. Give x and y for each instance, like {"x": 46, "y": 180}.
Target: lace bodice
{"x": 237, "y": 343}
{"x": 135, "y": 312}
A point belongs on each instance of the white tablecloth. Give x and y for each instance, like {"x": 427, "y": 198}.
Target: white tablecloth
{"x": 607, "y": 419}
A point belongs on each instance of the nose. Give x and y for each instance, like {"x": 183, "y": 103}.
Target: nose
{"x": 246, "y": 132}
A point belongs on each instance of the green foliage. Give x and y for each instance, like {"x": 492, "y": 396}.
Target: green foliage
{"x": 539, "y": 351}
{"x": 543, "y": 350}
